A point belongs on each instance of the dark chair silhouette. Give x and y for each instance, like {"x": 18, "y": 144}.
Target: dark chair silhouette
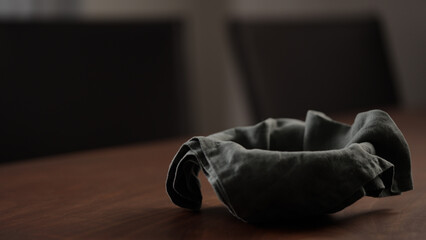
{"x": 328, "y": 65}
{"x": 72, "y": 85}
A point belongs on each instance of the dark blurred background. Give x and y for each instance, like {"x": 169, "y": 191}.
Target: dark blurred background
{"x": 85, "y": 74}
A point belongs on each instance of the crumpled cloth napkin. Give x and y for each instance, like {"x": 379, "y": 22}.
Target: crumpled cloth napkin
{"x": 282, "y": 168}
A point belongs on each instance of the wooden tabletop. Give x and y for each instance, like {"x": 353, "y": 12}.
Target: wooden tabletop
{"x": 119, "y": 193}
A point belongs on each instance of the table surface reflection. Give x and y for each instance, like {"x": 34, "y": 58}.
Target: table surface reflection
{"x": 119, "y": 193}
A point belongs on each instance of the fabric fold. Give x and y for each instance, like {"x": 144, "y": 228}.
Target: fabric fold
{"x": 281, "y": 168}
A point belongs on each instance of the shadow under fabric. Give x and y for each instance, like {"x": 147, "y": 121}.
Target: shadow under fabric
{"x": 284, "y": 168}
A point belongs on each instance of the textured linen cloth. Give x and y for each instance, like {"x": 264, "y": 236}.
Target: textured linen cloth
{"x": 283, "y": 168}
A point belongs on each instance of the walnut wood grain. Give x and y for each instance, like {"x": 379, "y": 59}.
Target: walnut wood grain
{"x": 119, "y": 193}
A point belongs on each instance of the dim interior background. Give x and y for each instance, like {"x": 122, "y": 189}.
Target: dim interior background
{"x": 85, "y": 74}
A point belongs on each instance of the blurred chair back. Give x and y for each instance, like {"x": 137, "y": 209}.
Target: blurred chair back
{"x": 326, "y": 65}
{"x": 73, "y": 85}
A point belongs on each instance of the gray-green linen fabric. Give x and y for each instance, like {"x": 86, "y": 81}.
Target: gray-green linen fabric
{"x": 282, "y": 168}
